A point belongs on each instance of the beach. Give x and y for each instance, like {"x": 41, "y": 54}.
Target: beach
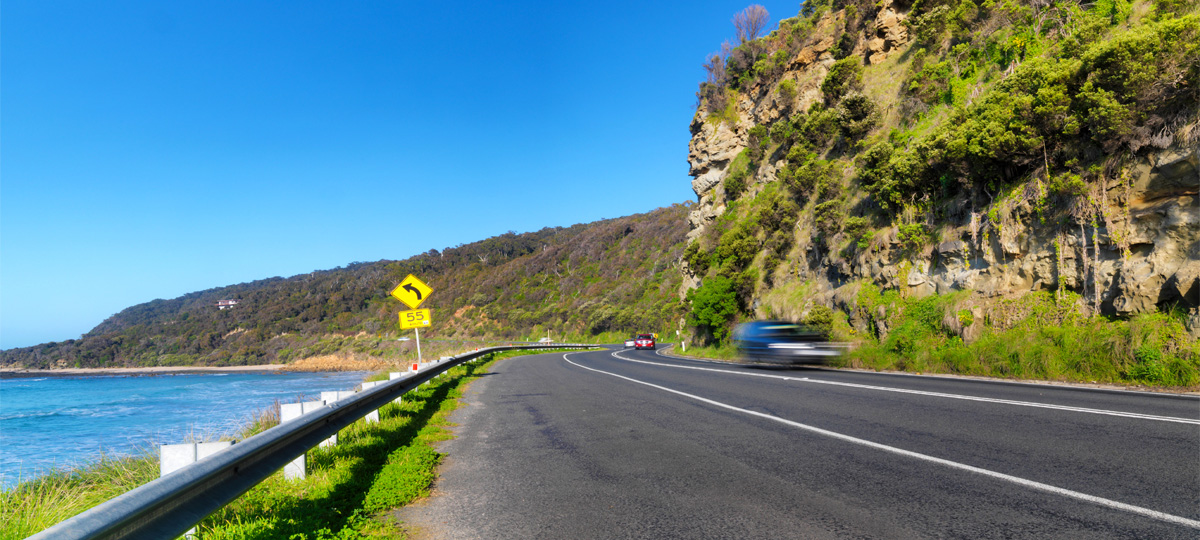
{"x": 134, "y": 371}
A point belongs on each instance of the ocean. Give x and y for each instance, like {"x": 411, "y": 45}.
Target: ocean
{"x": 48, "y": 422}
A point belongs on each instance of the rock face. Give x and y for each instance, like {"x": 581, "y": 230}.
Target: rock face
{"x": 1144, "y": 254}
{"x": 889, "y": 34}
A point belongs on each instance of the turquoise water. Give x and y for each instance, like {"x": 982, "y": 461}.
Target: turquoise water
{"x": 63, "y": 421}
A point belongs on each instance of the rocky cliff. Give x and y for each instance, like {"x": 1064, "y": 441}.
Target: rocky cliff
{"x": 1125, "y": 239}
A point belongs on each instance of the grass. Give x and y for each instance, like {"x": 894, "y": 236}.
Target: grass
{"x": 1149, "y": 349}
{"x": 373, "y": 467}
{"x": 350, "y": 487}
{"x": 39, "y": 503}
{"x": 1038, "y": 337}
{"x": 722, "y": 351}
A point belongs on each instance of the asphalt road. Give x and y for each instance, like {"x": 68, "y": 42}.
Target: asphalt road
{"x": 637, "y": 445}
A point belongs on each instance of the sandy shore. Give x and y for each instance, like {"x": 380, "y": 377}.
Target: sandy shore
{"x": 147, "y": 371}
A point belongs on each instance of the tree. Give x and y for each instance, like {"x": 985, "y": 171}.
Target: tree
{"x": 714, "y": 304}
{"x": 750, "y": 23}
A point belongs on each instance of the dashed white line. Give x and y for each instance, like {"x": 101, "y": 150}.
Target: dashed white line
{"x": 1162, "y": 516}
{"x": 1140, "y": 416}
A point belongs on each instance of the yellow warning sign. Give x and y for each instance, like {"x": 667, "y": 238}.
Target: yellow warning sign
{"x": 412, "y": 291}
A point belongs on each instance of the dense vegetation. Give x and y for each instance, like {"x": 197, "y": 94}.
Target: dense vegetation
{"x": 1046, "y": 103}
{"x": 613, "y": 275}
{"x": 994, "y": 95}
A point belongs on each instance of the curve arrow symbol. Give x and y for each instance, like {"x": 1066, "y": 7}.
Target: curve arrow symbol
{"x": 408, "y": 287}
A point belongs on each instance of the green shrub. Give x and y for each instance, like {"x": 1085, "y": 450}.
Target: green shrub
{"x": 820, "y": 126}
{"x": 778, "y": 214}
{"x": 783, "y": 132}
{"x": 696, "y": 258}
{"x": 714, "y": 303}
{"x": 740, "y": 170}
{"x": 787, "y": 90}
{"x": 820, "y": 318}
{"x": 914, "y": 236}
{"x": 856, "y": 115}
{"x": 828, "y": 216}
{"x": 804, "y": 173}
{"x": 845, "y": 75}
{"x": 736, "y": 249}
{"x": 734, "y": 185}
{"x": 757, "y": 144}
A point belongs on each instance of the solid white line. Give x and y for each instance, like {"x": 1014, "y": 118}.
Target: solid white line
{"x": 923, "y": 457}
{"x": 1139, "y": 416}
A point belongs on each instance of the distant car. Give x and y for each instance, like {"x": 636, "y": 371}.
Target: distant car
{"x": 644, "y": 341}
{"x": 402, "y": 339}
{"x": 783, "y": 342}
{"x": 629, "y": 343}
{"x": 546, "y": 340}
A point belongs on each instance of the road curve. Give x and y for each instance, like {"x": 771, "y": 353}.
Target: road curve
{"x": 631, "y": 444}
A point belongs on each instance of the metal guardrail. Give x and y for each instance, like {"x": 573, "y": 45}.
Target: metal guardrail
{"x": 168, "y": 506}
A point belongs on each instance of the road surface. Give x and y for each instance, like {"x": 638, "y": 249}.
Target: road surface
{"x": 632, "y": 444}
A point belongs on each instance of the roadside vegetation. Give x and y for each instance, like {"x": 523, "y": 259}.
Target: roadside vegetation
{"x": 37, "y": 504}
{"x": 1037, "y": 337}
{"x": 348, "y": 489}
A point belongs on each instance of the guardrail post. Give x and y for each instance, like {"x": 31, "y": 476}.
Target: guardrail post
{"x": 373, "y": 416}
{"x": 330, "y": 397}
{"x": 291, "y": 411}
{"x": 172, "y": 457}
{"x": 393, "y": 376}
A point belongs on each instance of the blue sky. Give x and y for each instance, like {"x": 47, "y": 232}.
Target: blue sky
{"x": 151, "y": 149}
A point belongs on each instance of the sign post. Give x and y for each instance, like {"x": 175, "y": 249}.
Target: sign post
{"x": 416, "y": 320}
{"x": 418, "y": 331}
{"x": 413, "y": 292}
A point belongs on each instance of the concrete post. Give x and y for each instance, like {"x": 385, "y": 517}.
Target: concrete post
{"x": 173, "y": 457}
{"x": 330, "y": 397}
{"x": 291, "y": 411}
{"x": 373, "y": 416}
{"x": 393, "y": 376}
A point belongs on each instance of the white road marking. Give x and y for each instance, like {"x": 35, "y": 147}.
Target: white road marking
{"x": 1140, "y": 416}
{"x": 1162, "y": 516}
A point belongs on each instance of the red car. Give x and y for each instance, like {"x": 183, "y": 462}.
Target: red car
{"x": 644, "y": 341}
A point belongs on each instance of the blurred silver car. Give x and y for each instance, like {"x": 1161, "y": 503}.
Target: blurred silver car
{"x": 784, "y": 342}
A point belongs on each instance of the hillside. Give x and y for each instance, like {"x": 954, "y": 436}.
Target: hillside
{"x": 923, "y": 177}
{"x": 612, "y": 275}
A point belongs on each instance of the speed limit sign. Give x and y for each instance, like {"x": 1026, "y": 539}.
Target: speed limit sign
{"x": 417, "y": 318}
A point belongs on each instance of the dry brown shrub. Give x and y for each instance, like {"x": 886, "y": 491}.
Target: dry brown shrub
{"x": 336, "y": 362}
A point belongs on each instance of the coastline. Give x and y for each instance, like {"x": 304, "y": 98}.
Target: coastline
{"x": 136, "y": 371}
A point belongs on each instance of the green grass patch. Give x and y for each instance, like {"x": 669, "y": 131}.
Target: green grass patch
{"x": 1038, "y": 338}
{"x": 720, "y": 351}
{"x": 374, "y": 467}
{"x": 37, "y": 504}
